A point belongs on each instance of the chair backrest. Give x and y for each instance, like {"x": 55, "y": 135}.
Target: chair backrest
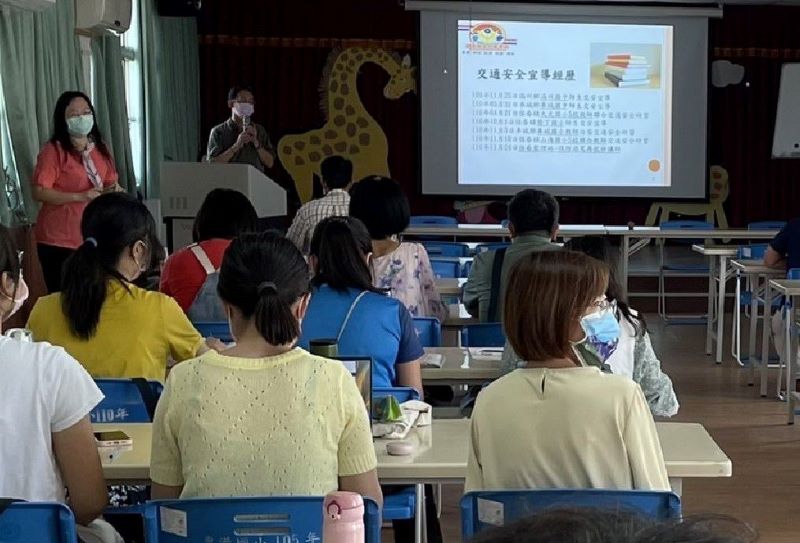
{"x": 429, "y": 331}
{"x": 793, "y": 274}
{"x": 432, "y": 220}
{"x": 505, "y": 506}
{"x": 32, "y": 521}
{"x": 445, "y": 268}
{"x": 487, "y": 334}
{"x": 219, "y": 329}
{"x": 446, "y": 248}
{"x": 766, "y": 225}
{"x": 280, "y": 519}
{"x": 401, "y": 394}
{"x": 752, "y": 252}
{"x": 493, "y": 246}
{"x": 123, "y": 402}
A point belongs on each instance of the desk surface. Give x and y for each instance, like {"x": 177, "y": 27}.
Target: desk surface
{"x": 459, "y": 367}
{"x": 716, "y": 250}
{"x": 458, "y": 316}
{"x": 756, "y": 267}
{"x": 441, "y": 453}
{"x": 448, "y": 286}
{"x": 787, "y": 287}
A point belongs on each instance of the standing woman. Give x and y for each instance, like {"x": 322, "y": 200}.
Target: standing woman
{"x": 72, "y": 169}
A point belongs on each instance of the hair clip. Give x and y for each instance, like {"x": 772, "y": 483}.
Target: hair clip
{"x": 90, "y": 241}
{"x": 267, "y": 285}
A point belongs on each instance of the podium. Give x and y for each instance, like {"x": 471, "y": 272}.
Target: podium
{"x": 184, "y": 186}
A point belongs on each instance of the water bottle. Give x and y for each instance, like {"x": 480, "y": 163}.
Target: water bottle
{"x": 343, "y": 518}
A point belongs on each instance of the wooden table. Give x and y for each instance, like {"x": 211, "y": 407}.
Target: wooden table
{"x": 791, "y": 289}
{"x": 718, "y": 274}
{"x": 448, "y": 286}
{"x": 441, "y": 454}
{"x": 461, "y": 368}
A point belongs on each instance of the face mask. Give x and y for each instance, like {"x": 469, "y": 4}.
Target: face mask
{"x": 602, "y": 333}
{"x": 80, "y": 125}
{"x": 21, "y": 295}
{"x": 243, "y": 109}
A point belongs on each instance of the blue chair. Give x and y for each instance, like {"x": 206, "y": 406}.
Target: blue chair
{"x": 488, "y": 334}
{"x": 432, "y": 220}
{"x": 429, "y": 331}
{"x": 446, "y": 248}
{"x": 220, "y": 330}
{"x": 296, "y": 518}
{"x": 766, "y": 225}
{"x": 38, "y": 521}
{"x": 445, "y": 268}
{"x": 517, "y": 504}
{"x": 493, "y": 246}
{"x": 123, "y": 401}
{"x": 679, "y": 267}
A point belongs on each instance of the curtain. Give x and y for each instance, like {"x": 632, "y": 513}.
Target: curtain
{"x": 39, "y": 59}
{"x": 172, "y": 91}
{"x": 110, "y": 105}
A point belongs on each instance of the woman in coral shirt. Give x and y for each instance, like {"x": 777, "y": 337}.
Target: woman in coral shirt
{"x": 73, "y": 168}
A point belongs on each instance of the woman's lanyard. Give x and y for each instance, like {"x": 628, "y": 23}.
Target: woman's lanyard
{"x": 349, "y": 313}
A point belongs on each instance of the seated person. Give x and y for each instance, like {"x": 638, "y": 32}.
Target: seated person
{"x": 402, "y": 268}
{"x": 345, "y": 306}
{"x": 634, "y": 356}
{"x": 191, "y": 274}
{"x": 784, "y": 250}
{"x": 532, "y": 224}
{"x": 115, "y": 329}
{"x": 46, "y": 440}
{"x": 599, "y": 431}
{"x": 337, "y": 177}
{"x": 263, "y": 417}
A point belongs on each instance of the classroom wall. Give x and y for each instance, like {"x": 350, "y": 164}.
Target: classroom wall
{"x": 281, "y": 47}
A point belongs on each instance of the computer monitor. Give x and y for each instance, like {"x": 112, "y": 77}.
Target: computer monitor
{"x": 361, "y": 370}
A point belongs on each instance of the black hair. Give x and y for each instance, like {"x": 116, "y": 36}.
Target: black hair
{"x": 598, "y": 525}
{"x": 225, "y": 214}
{"x": 112, "y": 223}
{"x": 599, "y": 248}
{"x": 61, "y": 133}
{"x": 9, "y": 257}
{"x": 532, "y": 210}
{"x": 337, "y": 172}
{"x": 340, "y": 244}
{"x": 234, "y": 91}
{"x": 262, "y": 275}
{"x": 381, "y": 205}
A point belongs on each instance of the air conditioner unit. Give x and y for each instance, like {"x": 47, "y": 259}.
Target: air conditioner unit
{"x": 31, "y": 5}
{"x": 98, "y": 16}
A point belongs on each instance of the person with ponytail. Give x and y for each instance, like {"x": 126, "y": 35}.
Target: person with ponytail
{"x": 47, "y": 448}
{"x": 114, "y": 328}
{"x": 263, "y": 417}
{"x": 72, "y": 169}
{"x": 362, "y": 318}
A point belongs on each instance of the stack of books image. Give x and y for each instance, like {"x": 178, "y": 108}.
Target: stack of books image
{"x": 626, "y": 70}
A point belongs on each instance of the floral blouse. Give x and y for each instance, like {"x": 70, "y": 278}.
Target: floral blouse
{"x": 406, "y": 272}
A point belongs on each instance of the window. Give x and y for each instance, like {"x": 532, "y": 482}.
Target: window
{"x": 134, "y": 93}
{"x": 10, "y": 190}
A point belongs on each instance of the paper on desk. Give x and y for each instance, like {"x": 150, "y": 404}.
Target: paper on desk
{"x": 432, "y": 360}
{"x": 486, "y": 353}
{"x": 415, "y": 413}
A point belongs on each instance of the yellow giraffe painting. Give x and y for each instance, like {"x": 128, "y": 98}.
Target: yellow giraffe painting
{"x": 349, "y": 130}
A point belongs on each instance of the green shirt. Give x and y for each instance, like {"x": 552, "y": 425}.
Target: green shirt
{"x": 224, "y": 135}
{"x": 478, "y": 288}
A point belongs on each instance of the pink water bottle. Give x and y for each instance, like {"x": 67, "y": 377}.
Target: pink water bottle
{"x": 343, "y": 518}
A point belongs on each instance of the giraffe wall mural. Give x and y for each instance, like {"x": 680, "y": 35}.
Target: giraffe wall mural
{"x": 349, "y": 130}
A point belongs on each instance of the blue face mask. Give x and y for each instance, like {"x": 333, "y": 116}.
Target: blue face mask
{"x": 80, "y": 125}
{"x": 602, "y": 333}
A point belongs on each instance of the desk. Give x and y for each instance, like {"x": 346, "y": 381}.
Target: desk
{"x": 756, "y": 272}
{"x": 718, "y": 256}
{"x": 790, "y": 289}
{"x": 441, "y": 454}
{"x": 459, "y": 368}
{"x": 458, "y": 316}
{"x": 496, "y": 230}
{"x": 448, "y": 286}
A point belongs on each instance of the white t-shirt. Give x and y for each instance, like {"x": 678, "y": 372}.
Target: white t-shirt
{"x": 42, "y": 390}
{"x": 621, "y": 361}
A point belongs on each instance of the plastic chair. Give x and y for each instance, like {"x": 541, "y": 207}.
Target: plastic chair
{"x": 446, "y": 248}
{"x": 493, "y": 246}
{"x": 488, "y": 334}
{"x": 516, "y": 504}
{"x": 123, "y": 402}
{"x": 664, "y": 267}
{"x": 432, "y": 220}
{"x": 220, "y": 330}
{"x": 429, "y": 331}
{"x": 295, "y": 518}
{"x": 766, "y": 225}
{"x": 38, "y": 521}
{"x": 445, "y": 268}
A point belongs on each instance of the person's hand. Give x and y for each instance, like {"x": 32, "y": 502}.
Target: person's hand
{"x": 216, "y": 344}
{"x": 116, "y": 187}
{"x": 243, "y": 139}
{"x": 253, "y": 133}
{"x": 89, "y": 195}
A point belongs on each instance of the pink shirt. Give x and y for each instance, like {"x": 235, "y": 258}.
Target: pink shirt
{"x": 60, "y": 225}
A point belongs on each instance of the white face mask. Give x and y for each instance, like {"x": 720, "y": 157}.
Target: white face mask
{"x": 243, "y": 109}
{"x": 21, "y": 295}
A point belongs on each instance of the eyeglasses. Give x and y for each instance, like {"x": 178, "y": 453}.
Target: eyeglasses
{"x": 601, "y": 304}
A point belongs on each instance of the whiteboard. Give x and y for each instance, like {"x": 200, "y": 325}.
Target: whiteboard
{"x": 786, "y": 141}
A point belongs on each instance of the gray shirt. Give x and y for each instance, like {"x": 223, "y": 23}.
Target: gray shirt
{"x": 224, "y": 135}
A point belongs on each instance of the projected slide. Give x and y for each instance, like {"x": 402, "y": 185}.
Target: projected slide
{"x": 564, "y": 104}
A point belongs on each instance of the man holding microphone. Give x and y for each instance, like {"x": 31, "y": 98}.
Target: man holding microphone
{"x": 239, "y": 139}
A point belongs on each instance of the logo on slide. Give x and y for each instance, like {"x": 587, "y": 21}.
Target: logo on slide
{"x": 487, "y": 37}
